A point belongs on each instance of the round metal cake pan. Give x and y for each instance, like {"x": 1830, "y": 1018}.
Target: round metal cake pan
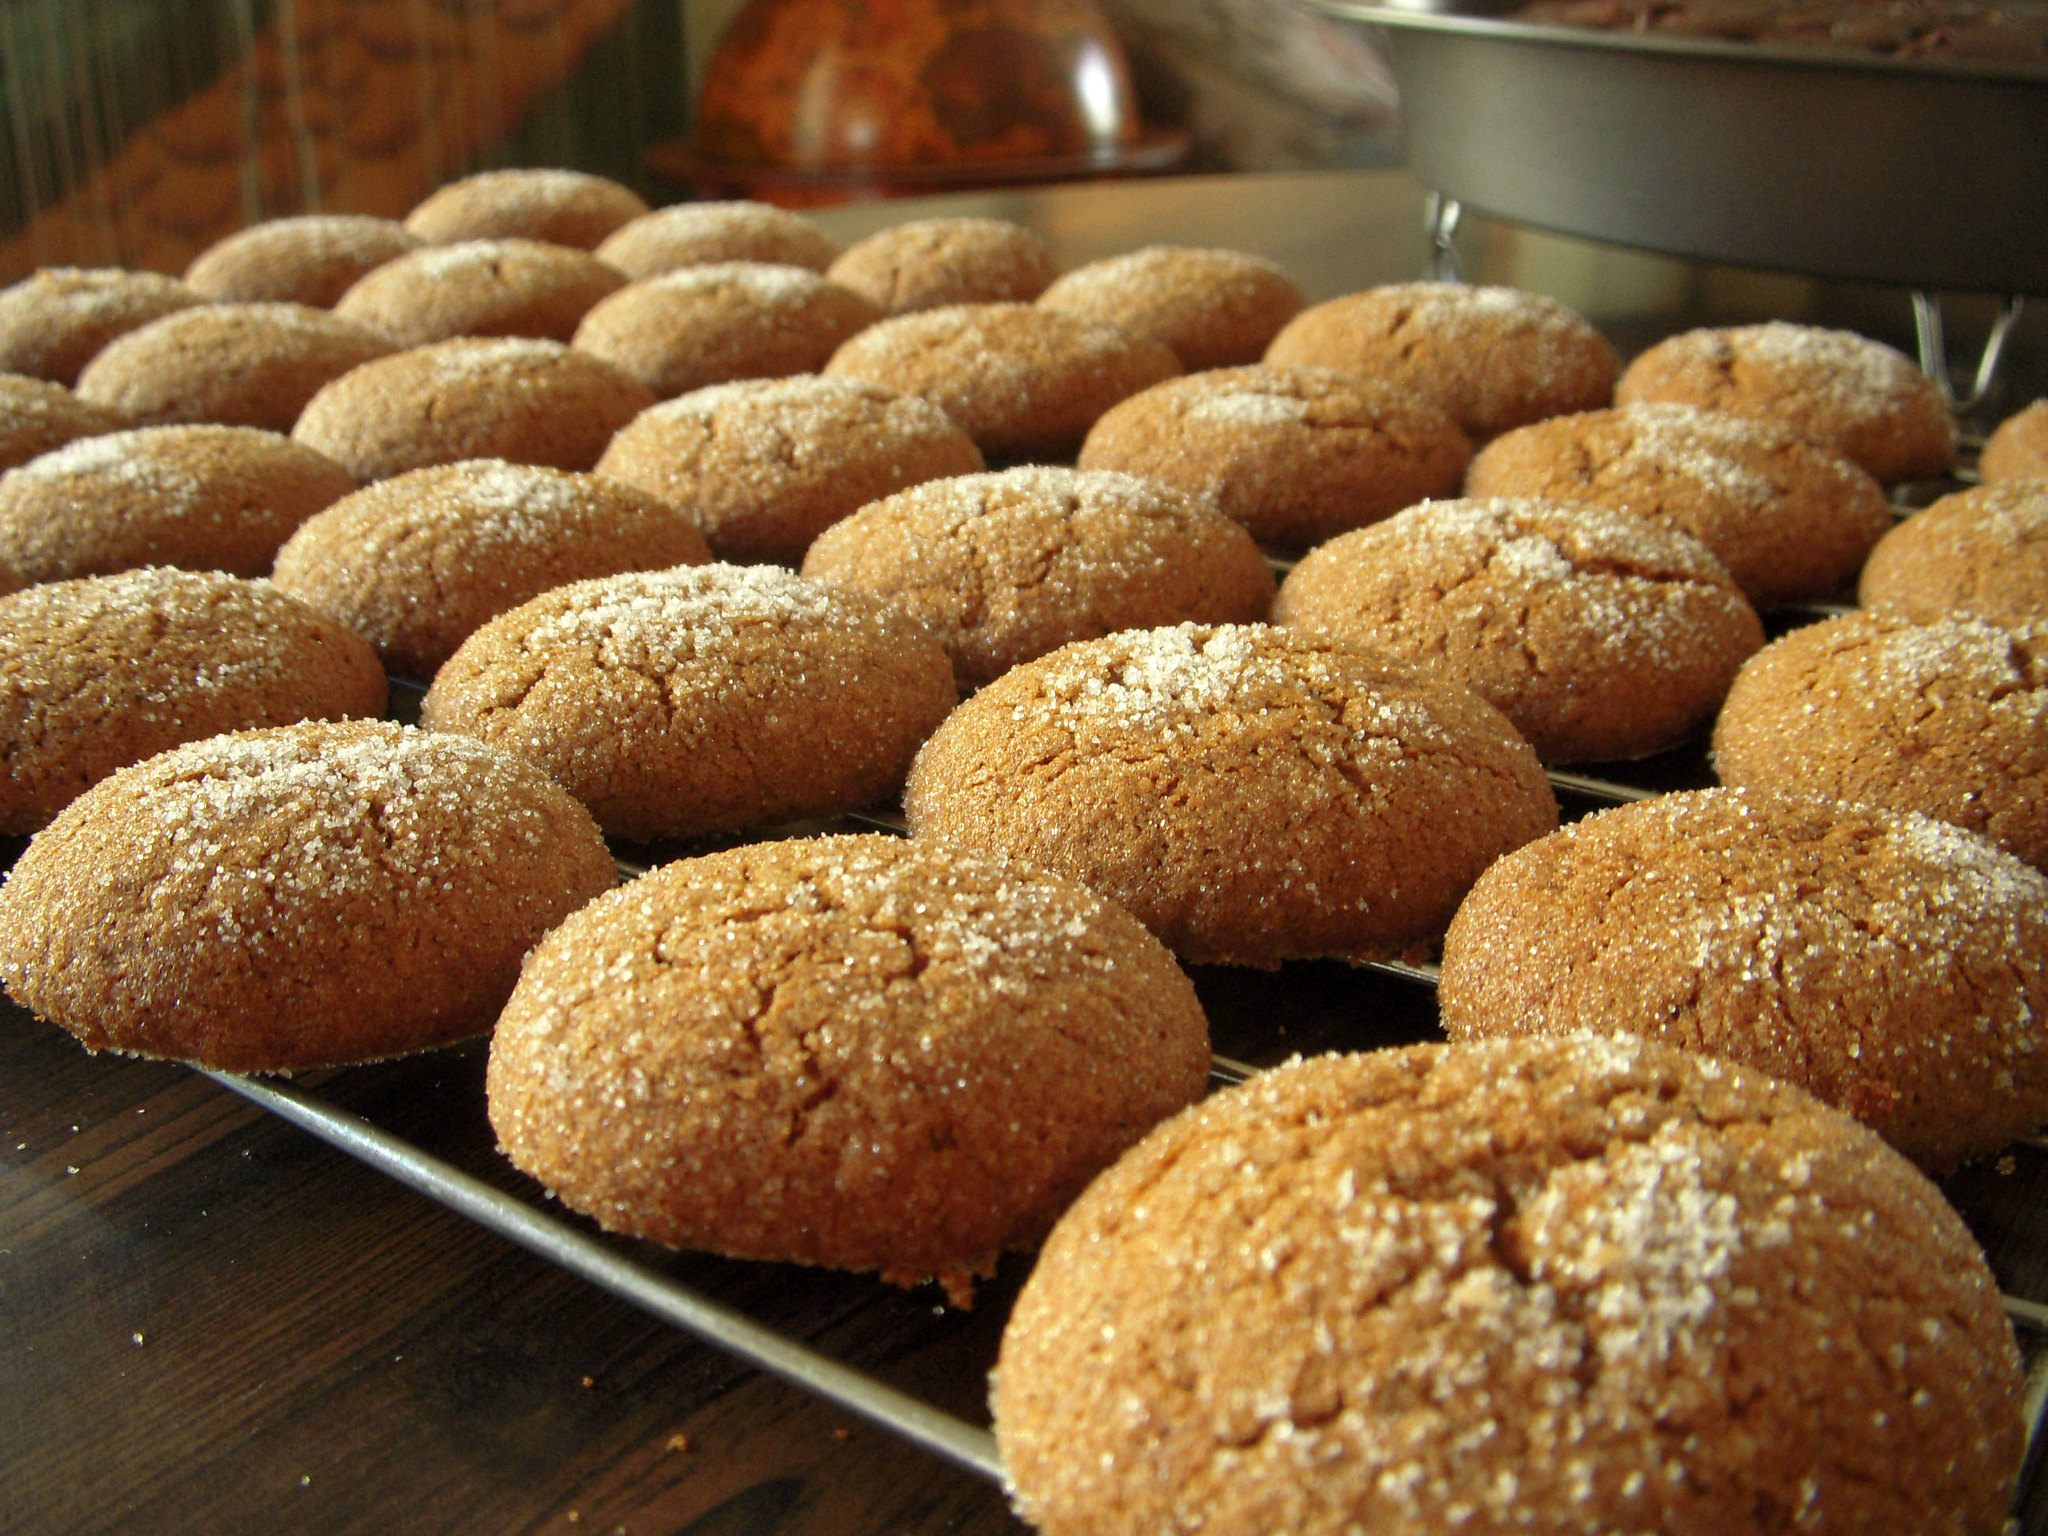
{"x": 1928, "y": 174}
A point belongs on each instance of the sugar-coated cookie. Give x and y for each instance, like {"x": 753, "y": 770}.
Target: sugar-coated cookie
{"x": 861, "y": 1052}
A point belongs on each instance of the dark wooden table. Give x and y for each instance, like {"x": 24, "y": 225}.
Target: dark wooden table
{"x": 212, "y": 1322}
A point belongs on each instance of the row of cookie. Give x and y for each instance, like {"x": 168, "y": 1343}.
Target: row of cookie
{"x": 897, "y": 1057}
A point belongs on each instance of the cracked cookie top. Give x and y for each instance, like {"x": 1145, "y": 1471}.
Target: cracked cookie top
{"x": 1025, "y": 383}
{"x": 1251, "y": 794}
{"x": 104, "y": 671}
{"x": 1600, "y": 634}
{"x": 1005, "y": 567}
{"x": 1491, "y": 358}
{"x": 860, "y": 1052}
{"x": 1892, "y": 965}
{"x": 1295, "y": 454}
{"x": 1980, "y": 551}
{"x": 54, "y": 320}
{"x": 926, "y": 263}
{"x": 416, "y": 563}
{"x": 1790, "y": 519}
{"x": 691, "y": 234}
{"x": 307, "y": 259}
{"x": 710, "y": 324}
{"x": 1571, "y": 1287}
{"x": 765, "y": 465}
{"x": 1865, "y": 400}
{"x": 1947, "y": 717}
{"x": 200, "y": 496}
{"x": 525, "y": 399}
{"x": 703, "y": 698}
{"x": 480, "y": 288}
{"x": 295, "y": 897}
{"x": 1214, "y": 308}
{"x": 572, "y": 208}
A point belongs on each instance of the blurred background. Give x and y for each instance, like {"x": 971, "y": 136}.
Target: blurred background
{"x": 137, "y": 132}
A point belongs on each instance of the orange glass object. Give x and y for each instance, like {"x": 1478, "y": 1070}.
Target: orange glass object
{"x": 823, "y": 85}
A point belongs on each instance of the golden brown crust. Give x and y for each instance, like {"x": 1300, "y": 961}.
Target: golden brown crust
{"x": 701, "y": 699}
{"x": 1214, "y": 308}
{"x": 1599, "y": 634}
{"x": 853, "y": 1051}
{"x": 241, "y": 365}
{"x": 480, "y": 288}
{"x": 1297, "y": 455}
{"x": 763, "y": 466}
{"x": 691, "y": 234}
{"x": 1887, "y": 963}
{"x": 102, "y": 672}
{"x": 54, "y": 320}
{"x": 311, "y": 259}
{"x": 1025, "y": 383}
{"x": 1982, "y": 551}
{"x": 416, "y": 563}
{"x": 1492, "y": 358}
{"x": 516, "y": 398}
{"x": 1948, "y": 718}
{"x": 1857, "y": 396}
{"x": 1005, "y": 567}
{"x": 1251, "y": 795}
{"x": 710, "y": 324}
{"x": 201, "y": 497}
{"x": 1569, "y": 1288}
{"x": 926, "y": 263}
{"x": 2018, "y": 447}
{"x": 1791, "y": 520}
{"x": 570, "y": 208}
{"x": 295, "y": 897}
{"x": 37, "y": 416}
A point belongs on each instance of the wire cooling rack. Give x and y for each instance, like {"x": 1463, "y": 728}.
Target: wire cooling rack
{"x": 557, "y": 1236}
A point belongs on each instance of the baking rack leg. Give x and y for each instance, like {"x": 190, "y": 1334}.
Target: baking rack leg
{"x": 1927, "y": 329}
{"x": 1440, "y": 217}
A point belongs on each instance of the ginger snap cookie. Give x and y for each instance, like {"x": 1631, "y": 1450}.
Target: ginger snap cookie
{"x": 1025, "y": 383}
{"x": 2018, "y": 446}
{"x": 926, "y": 263}
{"x": 1297, "y": 455}
{"x": 1214, "y": 308}
{"x": 1599, "y": 634}
{"x": 763, "y": 466}
{"x": 416, "y": 563}
{"x": 309, "y": 259}
{"x": 693, "y": 234}
{"x": 104, "y": 671}
{"x": 480, "y": 288}
{"x": 1888, "y": 963}
{"x": 1948, "y": 717}
{"x": 1491, "y": 358}
{"x": 702, "y": 699}
{"x": 295, "y": 897}
{"x": 1791, "y": 520}
{"x": 1251, "y": 795}
{"x": 518, "y": 398}
{"x": 202, "y": 497}
{"x": 1982, "y": 551}
{"x": 1863, "y": 399}
{"x": 1004, "y": 567}
{"x": 1574, "y": 1287}
{"x": 242, "y": 365}
{"x": 862, "y": 1052}
{"x": 37, "y": 416}
{"x": 710, "y": 324}
{"x": 570, "y": 208}
{"x": 54, "y": 320}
